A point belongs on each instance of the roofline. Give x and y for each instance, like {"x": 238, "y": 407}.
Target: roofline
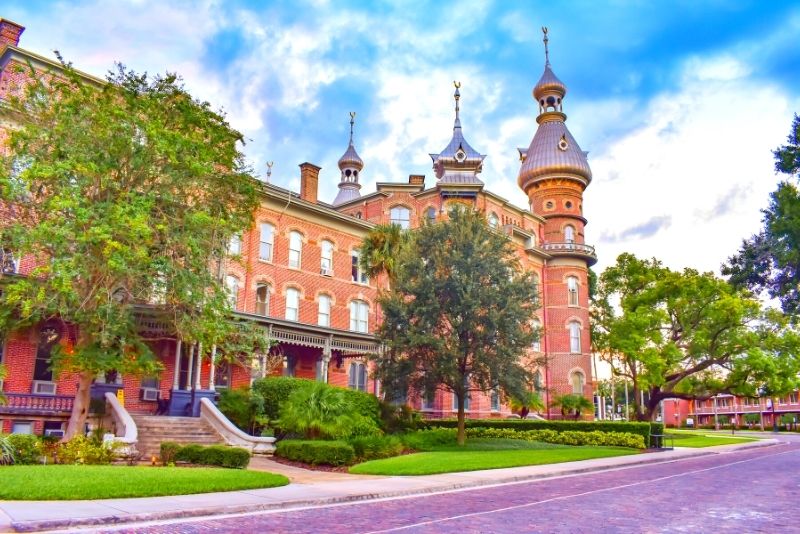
{"x": 33, "y": 57}
{"x": 274, "y": 191}
{"x": 360, "y": 199}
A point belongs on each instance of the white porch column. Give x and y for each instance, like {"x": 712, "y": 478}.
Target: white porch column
{"x": 325, "y": 360}
{"x": 189, "y": 369}
{"x": 198, "y": 367}
{"x": 213, "y": 370}
{"x": 177, "y": 369}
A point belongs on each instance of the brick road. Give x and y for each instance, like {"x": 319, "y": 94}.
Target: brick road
{"x": 750, "y": 491}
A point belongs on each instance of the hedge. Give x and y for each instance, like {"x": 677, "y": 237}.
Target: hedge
{"x": 375, "y": 447}
{"x": 640, "y": 428}
{"x": 566, "y": 437}
{"x": 216, "y": 455}
{"x": 25, "y": 448}
{"x": 316, "y": 452}
{"x": 275, "y": 390}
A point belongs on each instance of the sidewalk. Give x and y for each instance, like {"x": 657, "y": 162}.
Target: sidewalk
{"x": 308, "y": 488}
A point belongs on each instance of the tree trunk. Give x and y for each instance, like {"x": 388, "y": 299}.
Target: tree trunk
{"x": 80, "y": 408}
{"x": 461, "y": 437}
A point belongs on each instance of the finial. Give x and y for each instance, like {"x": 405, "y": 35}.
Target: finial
{"x": 457, "y": 96}
{"x": 269, "y": 169}
{"x": 352, "y": 121}
{"x": 546, "y": 51}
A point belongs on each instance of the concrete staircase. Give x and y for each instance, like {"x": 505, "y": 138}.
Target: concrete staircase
{"x": 154, "y": 429}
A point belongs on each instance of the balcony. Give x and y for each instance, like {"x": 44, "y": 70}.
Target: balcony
{"x": 30, "y": 404}
{"x": 579, "y": 250}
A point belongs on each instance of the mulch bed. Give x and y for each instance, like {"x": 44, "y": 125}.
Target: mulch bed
{"x": 302, "y": 465}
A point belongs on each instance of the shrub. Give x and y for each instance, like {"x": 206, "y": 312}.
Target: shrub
{"x": 423, "y": 440}
{"x": 274, "y": 390}
{"x": 567, "y": 437}
{"x": 216, "y": 455}
{"x": 168, "y": 451}
{"x": 642, "y": 429}
{"x": 88, "y": 451}
{"x": 375, "y": 447}
{"x": 26, "y": 449}
{"x": 752, "y": 418}
{"x": 364, "y": 404}
{"x": 316, "y": 452}
{"x": 6, "y": 451}
{"x": 395, "y": 419}
{"x": 245, "y": 408}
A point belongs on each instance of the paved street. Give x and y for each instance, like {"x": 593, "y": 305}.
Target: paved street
{"x": 753, "y": 490}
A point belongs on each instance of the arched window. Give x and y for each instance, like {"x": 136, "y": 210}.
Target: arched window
{"x": 295, "y": 249}
{"x": 495, "y": 399}
{"x": 569, "y": 234}
{"x": 537, "y": 328}
{"x": 400, "y": 216}
{"x": 359, "y": 314}
{"x": 578, "y": 381}
{"x": 262, "y": 299}
{"x": 326, "y": 258}
{"x": 494, "y": 221}
{"x": 572, "y": 291}
{"x": 575, "y": 337}
{"x": 235, "y": 245}
{"x": 265, "y": 241}
{"x": 292, "y": 304}
{"x": 324, "y": 315}
{"x": 49, "y": 336}
{"x": 232, "y": 288}
{"x": 536, "y": 288}
{"x": 430, "y": 215}
{"x": 357, "y": 376}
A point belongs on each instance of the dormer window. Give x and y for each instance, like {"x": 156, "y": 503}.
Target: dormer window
{"x": 461, "y": 155}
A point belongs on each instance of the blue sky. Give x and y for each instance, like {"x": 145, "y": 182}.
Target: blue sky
{"x": 678, "y": 103}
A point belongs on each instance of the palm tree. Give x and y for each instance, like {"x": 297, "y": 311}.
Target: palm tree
{"x": 380, "y": 249}
{"x": 530, "y": 400}
{"x": 573, "y": 405}
{"x": 317, "y": 411}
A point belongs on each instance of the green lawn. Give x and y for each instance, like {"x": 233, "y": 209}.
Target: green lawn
{"x": 484, "y": 454}
{"x": 699, "y": 439}
{"x": 72, "y": 482}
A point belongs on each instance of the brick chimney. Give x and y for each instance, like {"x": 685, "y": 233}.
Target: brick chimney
{"x": 10, "y": 32}
{"x": 309, "y": 181}
{"x": 416, "y": 179}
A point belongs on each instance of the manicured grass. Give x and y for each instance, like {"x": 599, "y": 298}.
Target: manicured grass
{"x": 450, "y": 461}
{"x": 698, "y": 439}
{"x": 73, "y": 482}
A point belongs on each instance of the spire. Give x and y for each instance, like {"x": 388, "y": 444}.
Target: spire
{"x": 549, "y": 90}
{"x": 269, "y": 169}
{"x": 350, "y": 164}
{"x": 458, "y": 162}
{"x": 457, "y": 97}
{"x": 546, "y": 51}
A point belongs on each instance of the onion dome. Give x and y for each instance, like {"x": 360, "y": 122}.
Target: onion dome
{"x": 351, "y": 165}
{"x": 549, "y": 84}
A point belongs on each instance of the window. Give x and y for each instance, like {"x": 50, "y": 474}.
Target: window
{"x": 495, "y": 400}
{"x": 235, "y": 245}
{"x": 537, "y": 381}
{"x": 326, "y": 258}
{"x": 8, "y": 263}
{"x": 292, "y": 304}
{"x": 22, "y": 427}
{"x": 569, "y": 234}
{"x": 494, "y": 222}
{"x": 359, "y": 313}
{"x": 572, "y": 291}
{"x": 400, "y": 216}
{"x": 466, "y": 402}
{"x": 430, "y": 215}
{"x": 149, "y": 382}
{"x": 232, "y": 288}
{"x": 357, "y": 376}
{"x": 578, "y": 381}
{"x": 428, "y": 400}
{"x": 575, "y": 337}
{"x": 266, "y": 239}
{"x": 537, "y": 329}
{"x": 295, "y": 249}
{"x": 324, "y": 317}
{"x": 262, "y": 299}
{"x": 49, "y": 335}
{"x": 222, "y": 374}
{"x": 358, "y": 275}
{"x": 792, "y": 396}
{"x": 536, "y": 284}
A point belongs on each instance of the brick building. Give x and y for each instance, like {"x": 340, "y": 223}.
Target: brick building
{"x": 741, "y": 411}
{"x": 295, "y": 272}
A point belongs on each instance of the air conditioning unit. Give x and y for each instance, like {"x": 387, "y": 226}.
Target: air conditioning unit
{"x": 326, "y": 271}
{"x": 42, "y": 387}
{"x": 54, "y": 433}
{"x": 150, "y": 394}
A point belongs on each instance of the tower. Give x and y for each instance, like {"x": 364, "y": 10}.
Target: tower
{"x": 554, "y": 175}
{"x": 350, "y": 164}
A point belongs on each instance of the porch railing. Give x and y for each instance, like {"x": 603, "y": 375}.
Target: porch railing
{"x": 29, "y": 403}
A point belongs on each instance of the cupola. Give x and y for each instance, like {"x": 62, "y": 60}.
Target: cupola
{"x": 350, "y": 164}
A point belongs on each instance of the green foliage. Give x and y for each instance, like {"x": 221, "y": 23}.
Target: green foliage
{"x": 380, "y": 250}
{"x": 374, "y": 447}
{"x": 245, "y": 408}
{"x": 320, "y": 411}
{"x": 459, "y": 312}
{"x": 526, "y": 401}
{"x": 429, "y": 439}
{"x": 125, "y": 191}
{"x": 216, "y": 455}
{"x": 363, "y": 404}
{"x": 88, "y": 451}
{"x": 316, "y": 452}
{"x": 656, "y": 428}
{"x": 22, "y": 449}
{"x": 688, "y": 335}
{"x": 573, "y": 405}
{"x": 400, "y": 418}
{"x": 569, "y": 437}
{"x": 752, "y": 418}
{"x": 275, "y": 390}
{"x": 168, "y": 450}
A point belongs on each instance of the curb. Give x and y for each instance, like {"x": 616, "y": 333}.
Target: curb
{"x": 115, "y": 520}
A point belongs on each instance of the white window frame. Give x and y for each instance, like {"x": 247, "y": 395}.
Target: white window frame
{"x": 324, "y": 311}
{"x": 326, "y": 258}
{"x": 295, "y": 249}
{"x": 494, "y": 220}
{"x": 574, "y": 337}
{"x": 266, "y": 243}
{"x": 357, "y": 376}
{"x": 357, "y": 274}
{"x": 401, "y": 216}
{"x": 232, "y": 289}
{"x": 359, "y": 316}
{"x": 466, "y": 402}
{"x": 573, "y": 375}
{"x": 572, "y": 291}
{"x": 569, "y": 234}
{"x": 262, "y": 306}
{"x": 494, "y": 399}
{"x": 292, "y": 304}
{"x": 430, "y": 214}
{"x": 235, "y": 245}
